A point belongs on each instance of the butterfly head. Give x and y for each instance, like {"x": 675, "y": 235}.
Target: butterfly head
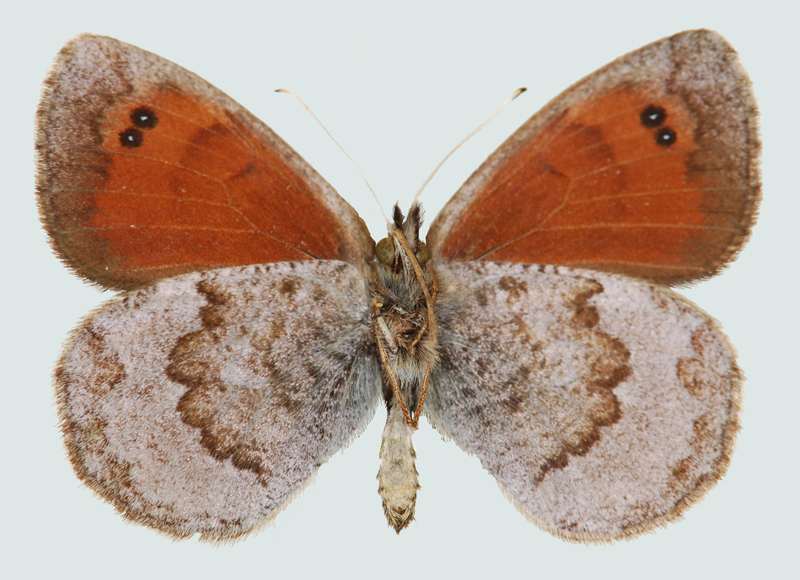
{"x": 388, "y": 250}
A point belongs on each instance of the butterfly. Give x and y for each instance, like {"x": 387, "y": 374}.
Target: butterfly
{"x": 259, "y": 326}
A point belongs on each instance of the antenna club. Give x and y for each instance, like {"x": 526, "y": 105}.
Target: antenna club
{"x": 513, "y": 96}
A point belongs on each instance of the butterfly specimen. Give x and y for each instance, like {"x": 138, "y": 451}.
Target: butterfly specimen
{"x": 259, "y": 326}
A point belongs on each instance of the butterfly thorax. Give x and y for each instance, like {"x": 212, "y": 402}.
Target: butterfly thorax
{"x": 404, "y": 291}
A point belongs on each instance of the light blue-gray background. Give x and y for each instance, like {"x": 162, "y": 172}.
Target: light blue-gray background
{"x": 399, "y": 84}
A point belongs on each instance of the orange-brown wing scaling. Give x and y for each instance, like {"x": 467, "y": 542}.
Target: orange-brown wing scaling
{"x": 648, "y": 167}
{"x": 146, "y": 171}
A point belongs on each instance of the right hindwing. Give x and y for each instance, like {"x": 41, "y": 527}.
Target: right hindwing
{"x": 603, "y": 405}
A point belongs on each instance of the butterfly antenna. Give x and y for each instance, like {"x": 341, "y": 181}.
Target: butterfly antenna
{"x": 299, "y": 100}
{"x": 513, "y": 96}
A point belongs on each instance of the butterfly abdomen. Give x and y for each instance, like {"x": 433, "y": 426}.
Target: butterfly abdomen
{"x": 397, "y": 477}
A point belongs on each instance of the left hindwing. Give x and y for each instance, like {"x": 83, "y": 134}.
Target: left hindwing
{"x": 603, "y": 405}
{"x": 204, "y": 403}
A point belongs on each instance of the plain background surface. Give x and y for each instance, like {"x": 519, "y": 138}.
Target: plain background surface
{"x": 398, "y": 84}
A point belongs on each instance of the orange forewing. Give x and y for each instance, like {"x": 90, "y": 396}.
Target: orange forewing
{"x": 601, "y": 186}
{"x": 170, "y": 181}
{"x": 202, "y": 191}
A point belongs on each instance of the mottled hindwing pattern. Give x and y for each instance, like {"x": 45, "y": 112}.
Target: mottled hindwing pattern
{"x": 603, "y": 405}
{"x": 204, "y": 403}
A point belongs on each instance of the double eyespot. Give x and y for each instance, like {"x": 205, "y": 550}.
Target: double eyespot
{"x": 141, "y": 118}
{"x": 653, "y": 117}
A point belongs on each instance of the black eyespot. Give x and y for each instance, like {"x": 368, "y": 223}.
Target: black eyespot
{"x": 144, "y": 118}
{"x": 131, "y": 137}
{"x": 653, "y": 116}
{"x": 666, "y": 137}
